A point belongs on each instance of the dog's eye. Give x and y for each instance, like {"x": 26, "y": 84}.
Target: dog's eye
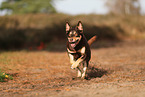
{"x": 76, "y": 34}
{"x": 70, "y": 35}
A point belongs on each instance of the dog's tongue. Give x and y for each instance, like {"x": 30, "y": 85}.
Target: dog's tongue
{"x": 73, "y": 45}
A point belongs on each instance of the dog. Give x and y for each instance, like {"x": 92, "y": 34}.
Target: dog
{"x": 78, "y": 48}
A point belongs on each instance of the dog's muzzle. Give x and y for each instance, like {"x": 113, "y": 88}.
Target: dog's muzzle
{"x": 74, "y": 41}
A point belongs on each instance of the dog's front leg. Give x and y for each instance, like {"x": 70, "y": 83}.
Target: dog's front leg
{"x": 71, "y": 58}
{"x": 85, "y": 65}
{"x": 79, "y": 60}
{"x": 79, "y": 72}
{"x": 72, "y": 61}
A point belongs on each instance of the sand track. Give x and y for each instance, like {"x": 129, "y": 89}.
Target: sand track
{"x": 115, "y": 71}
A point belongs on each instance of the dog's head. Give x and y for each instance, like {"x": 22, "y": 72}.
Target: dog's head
{"x": 74, "y": 34}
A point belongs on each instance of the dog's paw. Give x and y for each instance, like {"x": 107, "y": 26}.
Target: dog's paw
{"x": 73, "y": 67}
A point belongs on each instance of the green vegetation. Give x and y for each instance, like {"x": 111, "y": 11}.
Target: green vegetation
{"x": 5, "y": 77}
{"x": 28, "y": 6}
{"x": 17, "y": 31}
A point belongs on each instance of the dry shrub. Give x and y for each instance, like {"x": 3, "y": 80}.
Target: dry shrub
{"x": 19, "y": 31}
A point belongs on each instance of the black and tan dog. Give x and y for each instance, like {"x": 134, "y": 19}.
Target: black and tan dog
{"x": 78, "y": 48}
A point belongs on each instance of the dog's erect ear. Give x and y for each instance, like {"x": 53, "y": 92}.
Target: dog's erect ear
{"x": 67, "y": 26}
{"x": 80, "y": 26}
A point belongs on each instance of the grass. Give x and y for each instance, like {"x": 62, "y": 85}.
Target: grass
{"x": 5, "y": 62}
{"x": 5, "y": 77}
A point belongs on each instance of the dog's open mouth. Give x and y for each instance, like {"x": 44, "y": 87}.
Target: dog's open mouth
{"x": 73, "y": 44}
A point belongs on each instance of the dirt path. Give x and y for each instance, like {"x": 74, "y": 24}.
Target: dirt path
{"x": 117, "y": 71}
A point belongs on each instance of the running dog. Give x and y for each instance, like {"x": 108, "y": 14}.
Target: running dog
{"x": 78, "y": 48}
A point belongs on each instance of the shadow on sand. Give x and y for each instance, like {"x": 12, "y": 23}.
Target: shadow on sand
{"x": 95, "y": 72}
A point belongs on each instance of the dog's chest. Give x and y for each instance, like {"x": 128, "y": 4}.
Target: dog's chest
{"x": 77, "y": 54}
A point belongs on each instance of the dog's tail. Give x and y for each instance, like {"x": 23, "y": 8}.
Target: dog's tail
{"x": 93, "y": 39}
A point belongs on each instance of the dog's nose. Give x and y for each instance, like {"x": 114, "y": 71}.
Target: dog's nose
{"x": 71, "y": 40}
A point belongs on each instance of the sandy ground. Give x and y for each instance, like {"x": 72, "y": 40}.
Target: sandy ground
{"x": 116, "y": 70}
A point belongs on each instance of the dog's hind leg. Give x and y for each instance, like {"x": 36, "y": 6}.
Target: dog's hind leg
{"x": 84, "y": 69}
{"x": 79, "y": 72}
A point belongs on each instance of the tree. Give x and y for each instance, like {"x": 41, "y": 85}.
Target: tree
{"x": 28, "y": 6}
{"x": 125, "y": 7}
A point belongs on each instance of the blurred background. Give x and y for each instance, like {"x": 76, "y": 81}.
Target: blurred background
{"x": 38, "y": 24}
